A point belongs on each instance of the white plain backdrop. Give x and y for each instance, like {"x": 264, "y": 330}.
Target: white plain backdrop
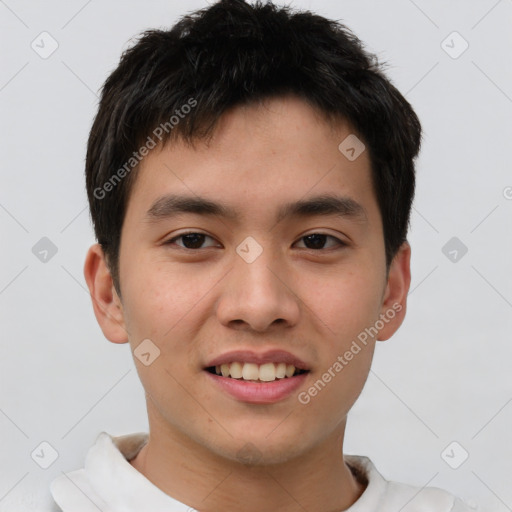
{"x": 444, "y": 377}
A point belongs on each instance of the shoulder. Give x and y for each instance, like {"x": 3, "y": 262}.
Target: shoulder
{"x": 410, "y": 498}
{"x": 73, "y": 491}
{"x": 390, "y": 496}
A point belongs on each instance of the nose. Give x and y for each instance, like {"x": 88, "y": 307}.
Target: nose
{"x": 259, "y": 294}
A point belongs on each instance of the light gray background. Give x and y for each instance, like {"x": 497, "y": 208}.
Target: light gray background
{"x": 445, "y": 376}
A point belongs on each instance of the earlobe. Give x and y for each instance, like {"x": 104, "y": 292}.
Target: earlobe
{"x": 395, "y": 296}
{"x": 105, "y": 301}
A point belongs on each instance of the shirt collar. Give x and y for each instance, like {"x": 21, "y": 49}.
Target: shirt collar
{"x": 118, "y": 483}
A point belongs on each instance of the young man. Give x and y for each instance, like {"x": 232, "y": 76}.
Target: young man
{"x": 250, "y": 176}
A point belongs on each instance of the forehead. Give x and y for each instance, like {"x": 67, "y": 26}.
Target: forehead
{"x": 278, "y": 151}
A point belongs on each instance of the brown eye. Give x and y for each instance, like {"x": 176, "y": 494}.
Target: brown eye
{"x": 191, "y": 240}
{"x": 317, "y": 241}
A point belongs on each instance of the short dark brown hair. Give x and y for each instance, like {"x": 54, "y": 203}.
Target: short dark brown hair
{"x": 177, "y": 83}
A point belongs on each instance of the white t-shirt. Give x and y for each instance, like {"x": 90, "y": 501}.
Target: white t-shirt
{"x": 110, "y": 483}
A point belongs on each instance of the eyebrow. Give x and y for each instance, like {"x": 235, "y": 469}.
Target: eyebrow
{"x": 171, "y": 205}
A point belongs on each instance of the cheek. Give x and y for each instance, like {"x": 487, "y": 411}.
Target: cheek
{"x": 159, "y": 299}
{"x": 344, "y": 304}
{"x": 166, "y": 306}
{"x": 159, "y": 306}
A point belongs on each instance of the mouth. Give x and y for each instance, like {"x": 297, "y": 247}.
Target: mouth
{"x": 257, "y": 373}
{"x": 262, "y": 377}
{"x": 253, "y": 383}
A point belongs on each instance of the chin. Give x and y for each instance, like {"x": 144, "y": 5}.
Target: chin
{"x": 261, "y": 450}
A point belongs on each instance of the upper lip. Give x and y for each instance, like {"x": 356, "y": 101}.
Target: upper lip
{"x": 249, "y": 356}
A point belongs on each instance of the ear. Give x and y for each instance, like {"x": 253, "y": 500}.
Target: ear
{"x": 105, "y": 301}
{"x": 395, "y": 295}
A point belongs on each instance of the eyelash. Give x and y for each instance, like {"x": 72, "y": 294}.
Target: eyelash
{"x": 340, "y": 244}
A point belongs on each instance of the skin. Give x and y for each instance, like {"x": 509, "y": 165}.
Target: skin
{"x": 197, "y": 305}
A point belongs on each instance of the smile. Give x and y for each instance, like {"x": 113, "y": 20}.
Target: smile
{"x": 266, "y": 372}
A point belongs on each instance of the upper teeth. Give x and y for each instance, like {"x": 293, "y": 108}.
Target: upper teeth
{"x": 250, "y": 371}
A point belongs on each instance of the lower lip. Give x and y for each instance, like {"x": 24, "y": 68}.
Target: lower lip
{"x": 259, "y": 392}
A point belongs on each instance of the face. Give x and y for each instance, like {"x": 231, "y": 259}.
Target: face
{"x": 258, "y": 284}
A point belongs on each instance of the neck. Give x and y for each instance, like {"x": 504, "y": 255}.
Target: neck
{"x": 318, "y": 481}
